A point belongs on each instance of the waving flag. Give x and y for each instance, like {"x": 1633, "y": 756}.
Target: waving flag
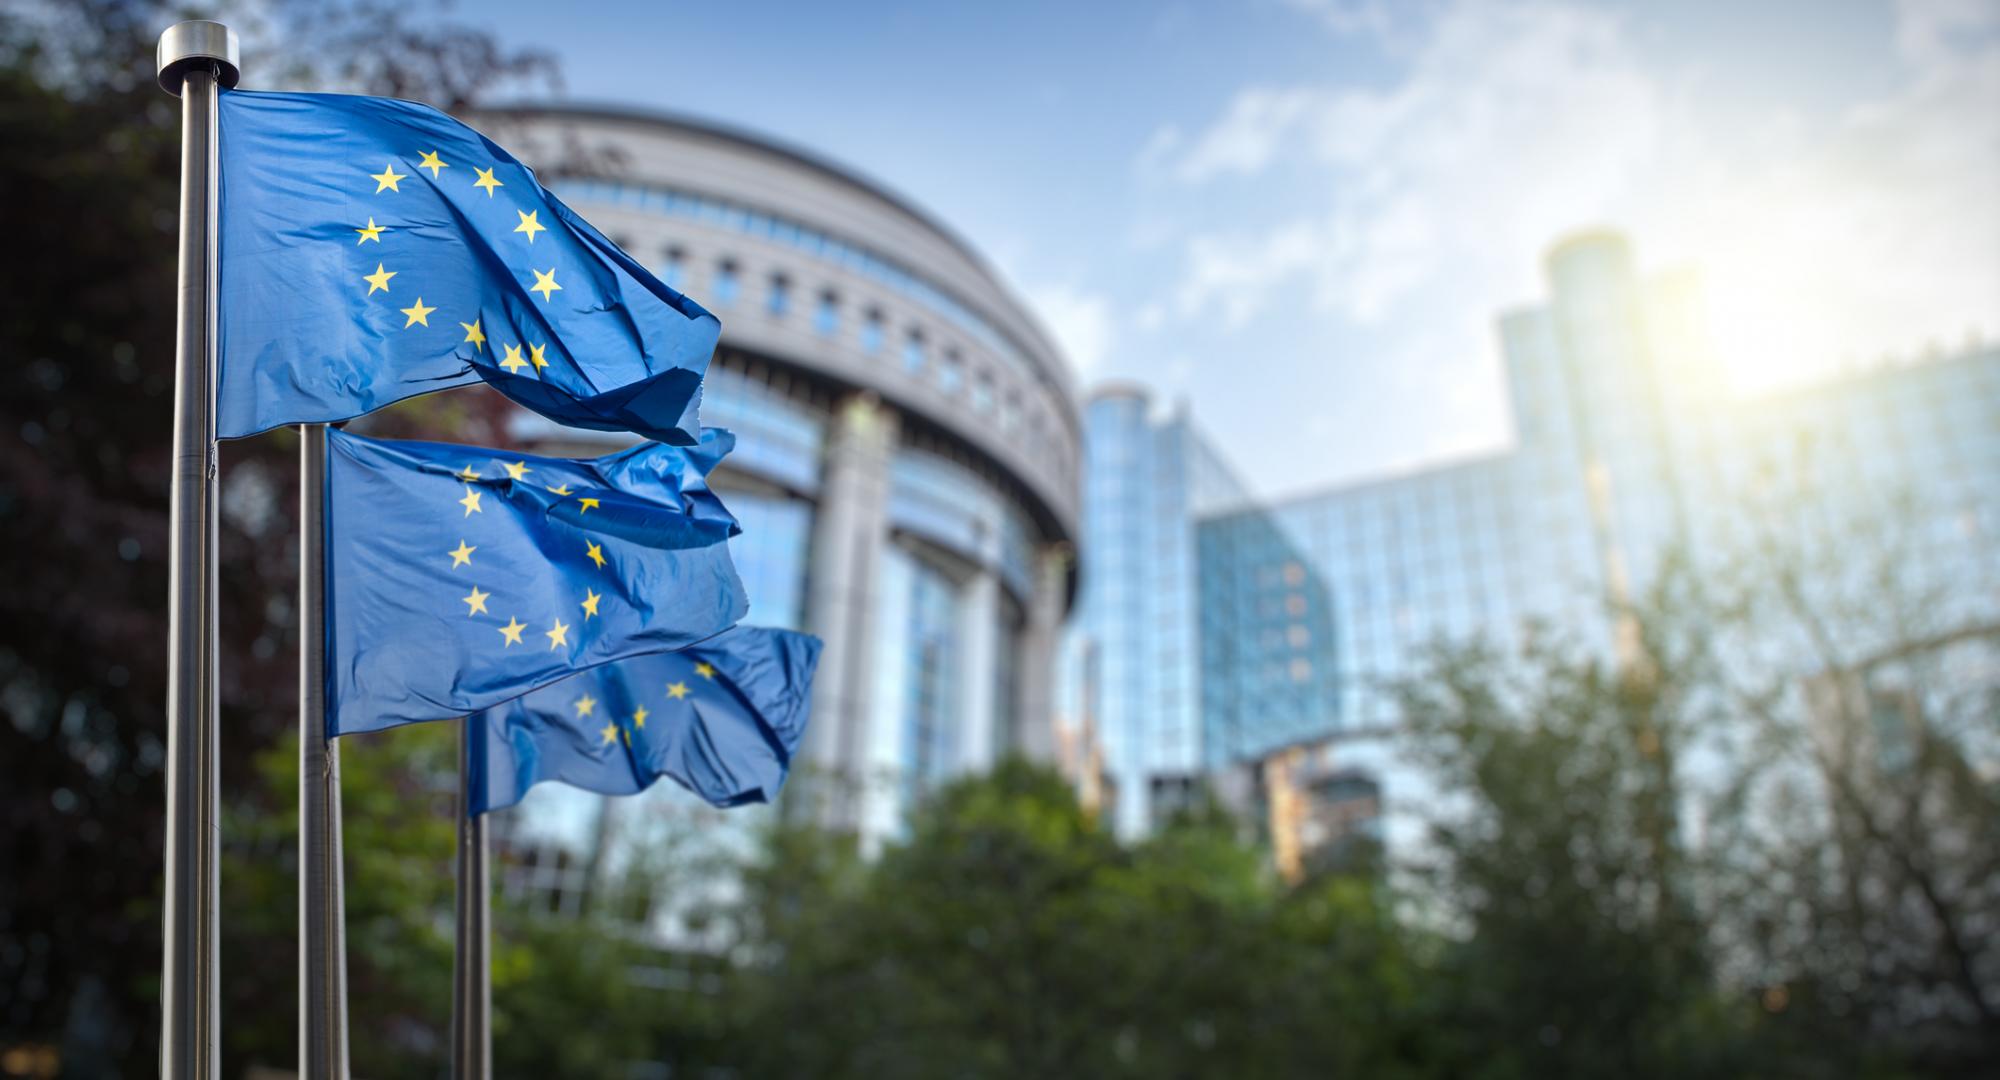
{"x": 374, "y": 249}
{"x": 459, "y": 578}
{"x": 722, "y": 718}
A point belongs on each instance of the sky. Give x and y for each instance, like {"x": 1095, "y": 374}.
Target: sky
{"x": 1303, "y": 217}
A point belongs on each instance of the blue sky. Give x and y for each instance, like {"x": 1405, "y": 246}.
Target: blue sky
{"x": 1303, "y": 216}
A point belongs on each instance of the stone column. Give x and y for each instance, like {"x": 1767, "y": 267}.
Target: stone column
{"x": 979, "y": 640}
{"x": 1046, "y": 602}
{"x": 849, "y": 529}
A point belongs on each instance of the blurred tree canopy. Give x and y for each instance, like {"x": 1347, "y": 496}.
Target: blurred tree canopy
{"x": 1009, "y": 935}
{"x": 90, "y": 179}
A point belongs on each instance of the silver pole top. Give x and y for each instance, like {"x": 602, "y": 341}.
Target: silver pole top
{"x": 193, "y": 46}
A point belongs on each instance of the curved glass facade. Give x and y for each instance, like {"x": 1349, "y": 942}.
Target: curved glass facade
{"x": 818, "y": 243}
{"x": 777, "y": 436}
{"x": 892, "y": 497}
{"x": 952, "y": 505}
{"x": 771, "y": 555}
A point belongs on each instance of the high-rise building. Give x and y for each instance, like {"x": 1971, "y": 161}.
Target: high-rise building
{"x": 1133, "y": 673}
{"x": 1626, "y": 447}
{"x": 1171, "y": 615}
{"x": 907, "y": 457}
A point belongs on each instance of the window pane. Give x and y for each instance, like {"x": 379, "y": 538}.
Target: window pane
{"x": 673, "y": 270}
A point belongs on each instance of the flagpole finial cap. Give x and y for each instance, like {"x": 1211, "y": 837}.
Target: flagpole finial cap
{"x": 193, "y": 46}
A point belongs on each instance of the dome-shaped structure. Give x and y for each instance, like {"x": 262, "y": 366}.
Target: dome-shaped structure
{"x": 907, "y": 466}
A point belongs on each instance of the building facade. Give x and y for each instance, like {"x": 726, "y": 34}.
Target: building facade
{"x": 1171, "y": 613}
{"x": 908, "y": 445}
{"x": 1627, "y": 447}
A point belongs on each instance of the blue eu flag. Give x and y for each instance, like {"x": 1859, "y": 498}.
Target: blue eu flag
{"x": 723, "y": 718}
{"x": 458, "y": 578}
{"x": 374, "y": 249}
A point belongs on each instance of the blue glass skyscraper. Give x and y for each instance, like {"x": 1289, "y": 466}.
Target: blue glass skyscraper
{"x": 1626, "y": 446}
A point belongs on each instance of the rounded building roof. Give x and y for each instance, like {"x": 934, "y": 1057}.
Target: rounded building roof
{"x": 917, "y": 315}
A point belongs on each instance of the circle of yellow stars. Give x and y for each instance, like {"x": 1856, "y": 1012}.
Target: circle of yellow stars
{"x": 389, "y": 182}
{"x": 585, "y": 707}
{"x": 561, "y": 633}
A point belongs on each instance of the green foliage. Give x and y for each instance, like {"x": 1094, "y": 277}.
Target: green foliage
{"x": 1010, "y": 935}
{"x": 397, "y": 809}
{"x": 564, "y": 999}
{"x": 1584, "y": 956}
{"x": 90, "y": 174}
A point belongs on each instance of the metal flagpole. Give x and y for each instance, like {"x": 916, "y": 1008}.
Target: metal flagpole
{"x": 322, "y": 899}
{"x": 196, "y": 60}
{"x": 472, "y": 971}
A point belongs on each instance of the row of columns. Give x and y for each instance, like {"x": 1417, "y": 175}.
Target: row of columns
{"x": 851, "y": 534}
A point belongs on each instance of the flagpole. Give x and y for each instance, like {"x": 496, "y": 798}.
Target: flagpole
{"x": 472, "y": 962}
{"x": 322, "y": 895}
{"x": 196, "y": 61}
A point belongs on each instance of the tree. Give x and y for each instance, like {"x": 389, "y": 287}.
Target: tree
{"x": 1817, "y": 712}
{"x": 1009, "y": 935}
{"x": 1583, "y": 951}
{"x": 1859, "y": 840}
{"x": 91, "y": 176}
{"x": 398, "y": 794}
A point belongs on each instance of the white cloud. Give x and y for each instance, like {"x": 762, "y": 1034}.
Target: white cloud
{"x": 1934, "y": 31}
{"x": 1879, "y": 233}
{"x": 1514, "y": 124}
{"x": 1233, "y": 276}
{"x": 1244, "y": 141}
{"x": 1384, "y": 20}
{"x": 1161, "y": 149}
{"x": 1150, "y": 317}
{"x": 1081, "y": 322}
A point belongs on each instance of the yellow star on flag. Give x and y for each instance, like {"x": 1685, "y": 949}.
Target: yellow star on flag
{"x": 558, "y": 636}
{"x": 432, "y": 163}
{"x": 462, "y": 555}
{"x": 517, "y": 471}
{"x": 387, "y": 179}
{"x": 529, "y": 225}
{"x": 535, "y": 353}
{"x": 379, "y": 280}
{"x": 475, "y": 335}
{"x": 512, "y": 631}
{"x": 589, "y": 504}
{"x": 559, "y": 489}
{"x": 475, "y": 601}
{"x": 677, "y": 690}
{"x": 418, "y": 313}
{"x": 585, "y": 705}
{"x": 486, "y": 180}
{"x": 370, "y": 231}
{"x": 610, "y": 733}
{"x": 545, "y": 283}
{"x": 471, "y": 504}
{"x": 704, "y": 670}
{"x": 590, "y": 599}
{"x": 468, "y": 474}
{"x": 513, "y": 361}
{"x": 639, "y": 716}
{"x": 596, "y": 554}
